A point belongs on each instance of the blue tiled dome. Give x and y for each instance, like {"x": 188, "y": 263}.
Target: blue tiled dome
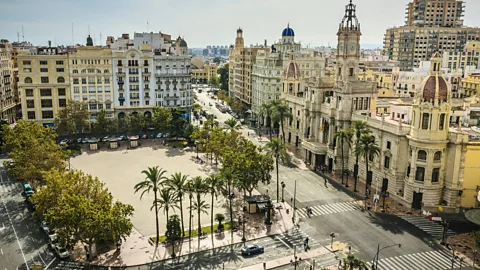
{"x": 288, "y": 32}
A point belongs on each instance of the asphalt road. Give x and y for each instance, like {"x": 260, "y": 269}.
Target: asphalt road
{"x": 21, "y": 241}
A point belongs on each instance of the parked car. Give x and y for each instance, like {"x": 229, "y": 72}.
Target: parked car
{"x": 252, "y": 249}
{"x": 159, "y": 135}
{"x": 84, "y": 140}
{"x": 61, "y": 252}
{"x": 166, "y": 135}
{"x": 27, "y": 189}
{"x": 121, "y": 138}
{"x": 63, "y": 142}
{"x": 144, "y": 136}
{"x": 106, "y": 138}
{"x": 52, "y": 237}
{"x": 44, "y": 227}
{"x": 79, "y": 140}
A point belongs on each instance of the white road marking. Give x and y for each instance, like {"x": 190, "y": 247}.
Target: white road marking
{"x": 46, "y": 267}
{"x": 283, "y": 241}
{"x": 41, "y": 258}
{"x": 1, "y": 250}
{"x": 15, "y": 232}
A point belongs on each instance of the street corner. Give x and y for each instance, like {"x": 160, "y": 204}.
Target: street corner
{"x": 338, "y": 246}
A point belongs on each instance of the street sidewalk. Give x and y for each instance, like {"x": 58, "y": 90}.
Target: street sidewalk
{"x": 136, "y": 250}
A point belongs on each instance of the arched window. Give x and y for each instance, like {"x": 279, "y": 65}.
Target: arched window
{"x": 437, "y": 156}
{"x": 75, "y": 71}
{"x": 422, "y": 155}
{"x": 28, "y": 80}
{"x": 425, "y": 120}
{"x": 106, "y": 71}
{"x": 60, "y": 80}
{"x": 84, "y": 71}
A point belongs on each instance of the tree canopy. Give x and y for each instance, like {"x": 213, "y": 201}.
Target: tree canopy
{"x": 223, "y": 72}
{"x": 73, "y": 118}
{"x": 80, "y": 208}
{"x": 33, "y": 151}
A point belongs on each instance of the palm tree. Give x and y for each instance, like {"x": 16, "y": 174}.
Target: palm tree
{"x": 200, "y": 187}
{"x": 266, "y": 111}
{"x": 232, "y": 124}
{"x": 167, "y": 200}
{"x": 215, "y": 184}
{"x": 220, "y": 218}
{"x": 190, "y": 191}
{"x": 344, "y": 136}
{"x": 177, "y": 183}
{"x": 201, "y": 207}
{"x": 369, "y": 149}
{"x": 352, "y": 263}
{"x": 277, "y": 149}
{"x": 282, "y": 112}
{"x": 153, "y": 181}
{"x": 360, "y": 128}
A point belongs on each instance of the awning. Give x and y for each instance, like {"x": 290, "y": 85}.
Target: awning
{"x": 261, "y": 206}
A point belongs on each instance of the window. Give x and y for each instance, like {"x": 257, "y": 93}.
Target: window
{"x": 100, "y": 106}
{"x": 31, "y": 115}
{"x": 60, "y": 70}
{"x": 91, "y": 89}
{"x": 75, "y": 71}
{"x": 62, "y": 102}
{"x": 84, "y": 89}
{"x": 46, "y": 92}
{"x": 420, "y": 174}
{"x": 408, "y": 170}
{"x": 437, "y": 156}
{"x": 425, "y": 119}
{"x": 60, "y": 80}
{"x": 75, "y": 81}
{"x": 29, "y": 92}
{"x": 386, "y": 162}
{"x": 28, "y": 80}
{"x": 44, "y": 70}
{"x": 27, "y": 70}
{"x": 30, "y": 103}
{"x": 107, "y": 89}
{"x": 422, "y": 155}
{"x": 108, "y": 106}
{"x": 389, "y": 145}
{"x": 47, "y": 114}
{"x": 46, "y": 103}
{"x": 441, "y": 123}
{"x": 61, "y": 91}
{"x": 27, "y": 63}
{"x": 435, "y": 175}
{"x": 44, "y": 79}
{"x": 351, "y": 72}
{"x": 43, "y": 62}
{"x": 59, "y": 62}
{"x": 84, "y": 81}
{"x": 76, "y": 90}
{"x": 92, "y": 106}
{"x": 106, "y": 71}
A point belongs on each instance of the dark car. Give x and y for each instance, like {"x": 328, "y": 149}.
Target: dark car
{"x": 252, "y": 249}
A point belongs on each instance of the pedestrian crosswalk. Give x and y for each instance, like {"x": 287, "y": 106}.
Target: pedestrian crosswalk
{"x": 331, "y": 208}
{"x": 328, "y": 260}
{"x": 296, "y": 238}
{"x": 9, "y": 187}
{"x": 431, "y": 227}
{"x": 431, "y": 260}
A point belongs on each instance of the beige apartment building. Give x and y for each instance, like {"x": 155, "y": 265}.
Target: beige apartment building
{"x": 91, "y": 77}
{"x": 431, "y": 25}
{"x": 8, "y": 96}
{"x": 203, "y": 73}
{"x": 241, "y": 61}
{"x": 44, "y": 84}
{"x": 464, "y": 59}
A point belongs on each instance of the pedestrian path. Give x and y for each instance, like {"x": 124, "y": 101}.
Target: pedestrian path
{"x": 431, "y": 260}
{"x": 431, "y": 227}
{"x": 328, "y": 260}
{"x": 331, "y": 208}
{"x": 8, "y": 187}
{"x": 296, "y": 237}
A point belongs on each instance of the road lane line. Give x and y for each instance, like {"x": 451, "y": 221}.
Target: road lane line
{"x": 1, "y": 250}
{"x": 46, "y": 267}
{"x": 15, "y": 232}
{"x": 41, "y": 258}
{"x": 283, "y": 242}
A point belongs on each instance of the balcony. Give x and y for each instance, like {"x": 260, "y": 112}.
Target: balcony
{"x": 121, "y": 82}
{"x": 171, "y": 98}
{"x": 120, "y": 73}
{"x": 121, "y": 99}
{"x": 147, "y": 96}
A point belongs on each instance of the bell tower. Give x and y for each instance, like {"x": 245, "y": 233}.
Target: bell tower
{"x": 239, "y": 43}
{"x": 348, "y": 45}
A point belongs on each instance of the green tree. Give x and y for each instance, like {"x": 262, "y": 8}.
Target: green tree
{"x": 178, "y": 122}
{"x": 223, "y": 72}
{"x": 368, "y": 148}
{"x": 197, "y": 107}
{"x": 103, "y": 125}
{"x": 167, "y": 199}
{"x": 190, "y": 191}
{"x": 476, "y": 238}
{"x": 33, "y": 151}
{"x": 187, "y": 133}
{"x": 352, "y": 263}
{"x": 173, "y": 232}
{"x": 162, "y": 118}
{"x": 216, "y": 60}
{"x": 178, "y": 183}
{"x": 277, "y": 149}
{"x": 360, "y": 128}
{"x": 222, "y": 95}
{"x": 201, "y": 188}
{"x": 73, "y": 118}
{"x": 266, "y": 110}
{"x": 200, "y": 206}
{"x": 237, "y": 107}
{"x": 344, "y": 137}
{"x": 281, "y": 111}
{"x": 80, "y": 208}
{"x": 214, "y": 185}
{"x": 154, "y": 179}
{"x": 228, "y": 174}
{"x": 220, "y": 218}
{"x": 213, "y": 81}
{"x": 232, "y": 124}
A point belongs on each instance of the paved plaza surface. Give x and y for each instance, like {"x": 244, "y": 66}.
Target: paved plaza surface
{"x": 120, "y": 170}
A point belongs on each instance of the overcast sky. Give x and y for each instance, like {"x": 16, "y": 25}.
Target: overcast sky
{"x": 201, "y": 22}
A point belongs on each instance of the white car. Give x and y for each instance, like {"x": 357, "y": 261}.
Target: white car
{"x": 44, "y": 227}
{"x": 52, "y": 236}
{"x": 61, "y": 252}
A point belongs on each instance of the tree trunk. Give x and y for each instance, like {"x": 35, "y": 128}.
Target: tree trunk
{"x": 166, "y": 211}
{"x": 270, "y": 127}
{"x": 156, "y": 219}
{"x": 190, "y": 219}
{"x": 355, "y": 177}
{"x": 366, "y": 173}
{"x": 343, "y": 159}
{"x": 181, "y": 214}
{"x": 283, "y": 131}
{"x": 278, "y": 185}
{"x": 211, "y": 224}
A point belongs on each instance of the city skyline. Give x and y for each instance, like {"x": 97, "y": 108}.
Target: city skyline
{"x": 203, "y": 23}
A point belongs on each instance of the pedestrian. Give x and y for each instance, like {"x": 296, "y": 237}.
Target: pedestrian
{"x": 248, "y": 133}
{"x": 325, "y": 182}
{"x": 306, "y": 240}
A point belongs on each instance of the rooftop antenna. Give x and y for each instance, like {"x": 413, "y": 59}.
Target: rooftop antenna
{"x": 23, "y": 34}
{"x": 18, "y": 36}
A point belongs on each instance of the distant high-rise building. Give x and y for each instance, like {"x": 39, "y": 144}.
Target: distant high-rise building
{"x": 431, "y": 25}
{"x": 7, "y": 81}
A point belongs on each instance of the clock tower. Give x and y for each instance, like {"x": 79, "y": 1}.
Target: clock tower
{"x": 348, "y": 47}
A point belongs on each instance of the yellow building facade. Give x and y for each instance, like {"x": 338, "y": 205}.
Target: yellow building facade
{"x": 203, "y": 74}
{"x": 470, "y": 85}
{"x": 471, "y": 178}
{"x": 8, "y": 99}
{"x": 44, "y": 84}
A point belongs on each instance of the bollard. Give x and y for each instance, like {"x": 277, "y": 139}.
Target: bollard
{"x": 264, "y": 265}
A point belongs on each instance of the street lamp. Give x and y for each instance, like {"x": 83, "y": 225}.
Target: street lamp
{"x": 375, "y": 259}
{"x": 474, "y": 257}
{"x": 332, "y": 235}
{"x": 295, "y": 262}
{"x": 444, "y": 232}
{"x": 244, "y": 239}
{"x": 453, "y": 256}
{"x": 283, "y": 188}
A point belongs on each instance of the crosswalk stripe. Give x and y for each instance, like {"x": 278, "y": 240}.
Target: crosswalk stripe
{"x": 420, "y": 260}
{"x": 430, "y": 260}
{"x": 428, "y": 226}
{"x": 345, "y": 207}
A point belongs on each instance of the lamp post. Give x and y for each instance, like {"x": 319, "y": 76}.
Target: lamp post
{"x": 454, "y": 257}
{"x": 244, "y": 239}
{"x": 295, "y": 262}
{"x": 332, "y": 235}
{"x": 268, "y": 220}
{"x": 347, "y": 173}
{"x": 474, "y": 257}
{"x": 375, "y": 259}
{"x": 444, "y": 232}
{"x": 196, "y": 147}
{"x": 294, "y": 200}
{"x": 283, "y": 188}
